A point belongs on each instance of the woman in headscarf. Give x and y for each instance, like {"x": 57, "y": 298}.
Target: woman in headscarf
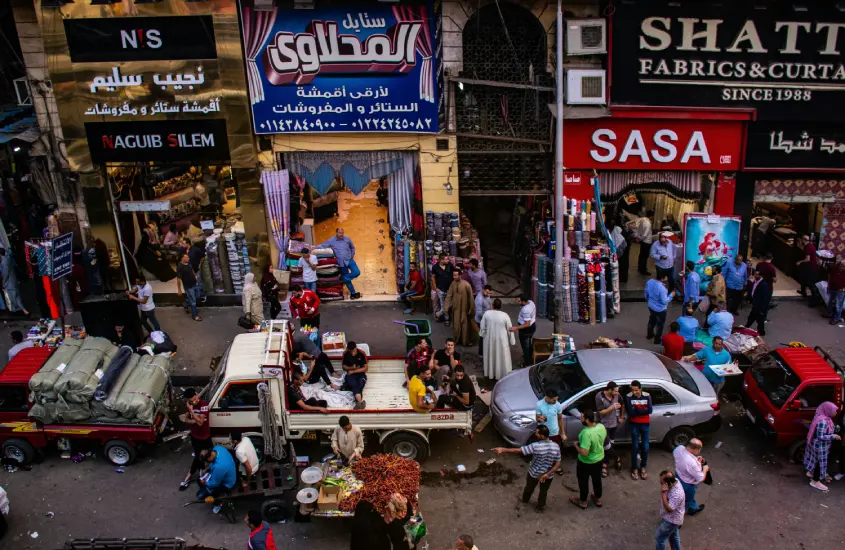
{"x": 819, "y": 439}
{"x": 368, "y": 529}
{"x": 251, "y": 299}
{"x": 621, "y": 250}
{"x": 397, "y": 515}
{"x": 270, "y": 290}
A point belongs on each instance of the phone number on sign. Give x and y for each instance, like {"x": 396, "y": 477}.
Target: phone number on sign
{"x": 766, "y": 94}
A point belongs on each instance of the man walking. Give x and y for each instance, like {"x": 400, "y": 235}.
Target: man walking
{"x": 186, "y": 278}
{"x": 639, "y": 408}
{"x": 483, "y": 302}
{"x": 196, "y": 417}
{"x": 761, "y": 299}
{"x": 692, "y": 286}
{"x": 736, "y": 278}
{"x": 642, "y": 234}
{"x": 196, "y": 254}
{"x": 461, "y": 310}
{"x": 590, "y": 447}
{"x": 663, "y": 253}
{"x": 476, "y": 276}
{"x": 658, "y": 300}
{"x": 611, "y": 413}
{"x": 143, "y": 294}
{"x": 344, "y": 252}
{"x": 549, "y": 413}
{"x": 545, "y": 461}
{"x": 441, "y": 280}
{"x": 691, "y": 470}
{"x": 671, "y": 512}
{"x": 769, "y": 272}
{"x": 526, "y": 325}
{"x": 260, "y": 533}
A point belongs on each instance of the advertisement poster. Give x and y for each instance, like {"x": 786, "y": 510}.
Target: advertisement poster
{"x": 337, "y": 69}
{"x": 710, "y": 241}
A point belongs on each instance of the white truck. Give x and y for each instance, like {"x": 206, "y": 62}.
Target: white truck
{"x": 266, "y": 357}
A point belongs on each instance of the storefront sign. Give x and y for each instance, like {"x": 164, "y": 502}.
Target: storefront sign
{"x": 62, "y": 256}
{"x": 795, "y": 146}
{"x": 577, "y": 185}
{"x": 631, "y": 144}
{"x": 140, "y": 38}
{"x": 342, "y": 70}
{"x": 158, "y": 141}
{"x": 785, "y": 64}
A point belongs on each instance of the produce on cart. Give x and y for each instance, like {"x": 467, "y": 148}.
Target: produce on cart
{"x": 381, "y": 475}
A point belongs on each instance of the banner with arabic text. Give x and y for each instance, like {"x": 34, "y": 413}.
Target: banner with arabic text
{"x": 336, "y": 69}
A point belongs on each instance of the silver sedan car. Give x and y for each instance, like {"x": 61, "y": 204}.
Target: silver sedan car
{"x": 684, "y": 403}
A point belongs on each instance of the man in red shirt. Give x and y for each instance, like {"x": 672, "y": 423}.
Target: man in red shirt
{"x": 414, "y": 286}
{"x": 769, "y": 274}
{"x": 305, "y": 305}
{"x": 673, "y": 343}
{"x": 196, "y": 417}
{"x": 417, "y": 360}
{"x": 808, "y": 270}
{"x": 260, "y": 533}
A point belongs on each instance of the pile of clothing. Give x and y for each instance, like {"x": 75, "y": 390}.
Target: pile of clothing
{"x": 329, "y": 285}
{"x": 92, "y": 380}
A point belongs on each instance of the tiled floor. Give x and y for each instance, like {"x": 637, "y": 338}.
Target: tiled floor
{"x": 367, "y": 225}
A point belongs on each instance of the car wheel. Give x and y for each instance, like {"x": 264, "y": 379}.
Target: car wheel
{"x": 796, "y": 451}
{"x": 20, "y": 450}
{"x": 407, "y": 445}
{"x": 678, "y": 436}
{"x": 120, "y": 453}
{"x": 275, "y": 510}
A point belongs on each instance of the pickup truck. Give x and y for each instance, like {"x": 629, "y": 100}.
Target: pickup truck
{"x": 783, "y": 390}
{"x": 259, "y": 357}
{"x": 23, "y": 439}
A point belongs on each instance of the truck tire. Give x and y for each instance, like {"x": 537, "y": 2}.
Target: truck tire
{"x": 796, "y": 451}
{"x": 678, "y": 436}
{"x": 407, "y": 445}
{"x": 20, "y": 450}
{"x": 120, "y": 453}
{"x": 275, "y": 510}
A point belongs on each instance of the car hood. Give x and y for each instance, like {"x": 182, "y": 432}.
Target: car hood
{"x": 514, "y": 393}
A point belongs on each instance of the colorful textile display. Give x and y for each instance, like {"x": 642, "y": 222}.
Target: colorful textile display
{"x": 591, "y": 295}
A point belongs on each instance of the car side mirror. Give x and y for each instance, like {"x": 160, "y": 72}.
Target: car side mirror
{"x": 223, "y": 403}
{"x": 794, "y": 405}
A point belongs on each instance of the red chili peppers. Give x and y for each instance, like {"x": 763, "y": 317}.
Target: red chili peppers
{"x": 383, "y": 475}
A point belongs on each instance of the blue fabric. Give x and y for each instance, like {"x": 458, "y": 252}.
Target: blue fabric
{"x": 667, "y": 531}
{"x": 222, "y": 470}
{"x": 321, "y": 178}
{"x": 735, "y": 276}
{"x": 689, "y": 325}
{"x": 349, "y": 272}
{"x": 656, "y": 295}
{"x": 343, "y": 249}
{"x": 689, "y": 494}
{"x": 721, "y": 323}
{"x": 712, "y": 357}
{"x": 551, "y": 412}
{"x": 639, "y": 444}
{"x": 692, "y": 287}
{"x": 658, "y": 250}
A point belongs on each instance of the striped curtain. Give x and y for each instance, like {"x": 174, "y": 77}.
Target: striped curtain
{"x": 400, "y": 189}
{"x": 277, "y": 198}
{"x": 681, "y": 184}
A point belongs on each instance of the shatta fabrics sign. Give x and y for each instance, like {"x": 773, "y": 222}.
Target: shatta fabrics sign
{"x": 338, "y": 69}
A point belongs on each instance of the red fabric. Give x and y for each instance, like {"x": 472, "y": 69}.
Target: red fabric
{"x": 308, "y": 301}
{"x": 201, "y": 432}
{"x": 836, "y": 278}
{"x": 768, "y": 271}
{"x": 673, "y": 346}
{"x": 51, "y": 298}
{"x": 810, "y": 250}
{"x": 417, "y": 280}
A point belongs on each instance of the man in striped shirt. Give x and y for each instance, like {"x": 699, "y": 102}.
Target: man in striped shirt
{"x": 545, "y": 461}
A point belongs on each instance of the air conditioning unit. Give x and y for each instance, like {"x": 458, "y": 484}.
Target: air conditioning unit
{"x": 23, "y": 91}
{"x": 585, "y": 87}
{"x": 586, "y": 36}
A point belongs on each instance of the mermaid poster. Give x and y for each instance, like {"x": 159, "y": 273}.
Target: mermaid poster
{"x": 709, "y": 241}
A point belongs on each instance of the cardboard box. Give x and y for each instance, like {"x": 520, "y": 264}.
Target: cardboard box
{"x": 283, "y": 278}
{"x": 328, "y": 498}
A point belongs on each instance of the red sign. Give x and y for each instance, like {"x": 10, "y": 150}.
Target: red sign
{"x": 577, "y": 185}
{"x": 651, "y": 144}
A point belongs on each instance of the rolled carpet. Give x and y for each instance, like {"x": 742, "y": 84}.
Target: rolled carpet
{"x": 45, "y": 379}
{"x": 112, "y": 373}
{"x": 83, "y": 373}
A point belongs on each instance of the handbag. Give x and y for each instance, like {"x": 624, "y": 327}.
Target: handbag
{"x": 245, "y": 322}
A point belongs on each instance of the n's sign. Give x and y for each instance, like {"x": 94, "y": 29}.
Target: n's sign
{"x": 140, "y": 38}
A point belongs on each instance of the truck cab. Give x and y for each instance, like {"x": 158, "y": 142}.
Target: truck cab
{"x": 783, "y": 390}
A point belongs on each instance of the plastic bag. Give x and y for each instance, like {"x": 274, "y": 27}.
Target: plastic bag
{"x": 416, "y": 529}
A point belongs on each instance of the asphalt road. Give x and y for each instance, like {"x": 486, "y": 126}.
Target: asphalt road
{"x": 758, "y": 497}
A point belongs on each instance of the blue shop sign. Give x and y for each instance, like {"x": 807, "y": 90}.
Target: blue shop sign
{"x": 371, "y": 69}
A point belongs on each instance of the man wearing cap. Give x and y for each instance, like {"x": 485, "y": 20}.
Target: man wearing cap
{"x": 663, "y": 253}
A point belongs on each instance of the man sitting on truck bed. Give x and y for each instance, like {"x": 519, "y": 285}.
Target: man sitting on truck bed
{"x": 356, "y": 365}
{"x": 305, "y": 349}
{"x": 420, "y": 395}
{"x": 297, "y": 401}
{"x": 221, "y": 475}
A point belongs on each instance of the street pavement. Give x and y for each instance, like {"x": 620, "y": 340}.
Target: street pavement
{"x": 758, "y": 497}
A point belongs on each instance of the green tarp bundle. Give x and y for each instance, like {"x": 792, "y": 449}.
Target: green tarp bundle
{"x": 43, "y": 381}
{"x": 144, "y": 390}
{"x": 104, "y": 410}
{"x": 80, "y": 378}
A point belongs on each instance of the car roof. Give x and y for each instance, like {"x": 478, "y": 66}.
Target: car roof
{"x": 23, "y": 365}
{"x": 247, "y": 355}
{"x": 604, "y": 365}
{"x": 808, "y": 364}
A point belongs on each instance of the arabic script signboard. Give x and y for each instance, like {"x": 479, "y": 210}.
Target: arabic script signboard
{"x": 795, "y": 146}
{"x": 786, "y": 64}
{"x": 62, "y": 256}
{"x": 343, "y": 70}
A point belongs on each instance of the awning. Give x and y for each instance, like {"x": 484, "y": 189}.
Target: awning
{"x": 25, "y": 129}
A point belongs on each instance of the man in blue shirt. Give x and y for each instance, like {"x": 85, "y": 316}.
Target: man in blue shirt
{"x": 721, "y": 322}
{"x": 714, "y": 355}
{"x": 344, "y": 252}
{"x": 736, "y": 277}
{"x": 692, "y": 286}
{"x": 221, "y": 475}
{"x": 549, "y": 413}
{"x": 688, "y": 323}
{"x": 663, "y": 253}
{"x": 658, "y": 299}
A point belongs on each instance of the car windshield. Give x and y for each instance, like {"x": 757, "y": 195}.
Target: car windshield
{"x": 562, "y": 374}
{"x": 775, "y": 379}
{"x": 679, "y": 375}
{"x": 216, "y": 377}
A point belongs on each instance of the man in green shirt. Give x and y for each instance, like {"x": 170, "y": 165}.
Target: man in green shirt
{"x": 590, "y": 447}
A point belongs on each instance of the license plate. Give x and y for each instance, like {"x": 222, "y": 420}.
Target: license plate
{"x": 309, "y": 435}
{"x": 750, "y": 416}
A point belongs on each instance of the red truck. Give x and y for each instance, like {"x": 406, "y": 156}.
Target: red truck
{"x": 23, "y": 439}
{"x": 783, "y": 390}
